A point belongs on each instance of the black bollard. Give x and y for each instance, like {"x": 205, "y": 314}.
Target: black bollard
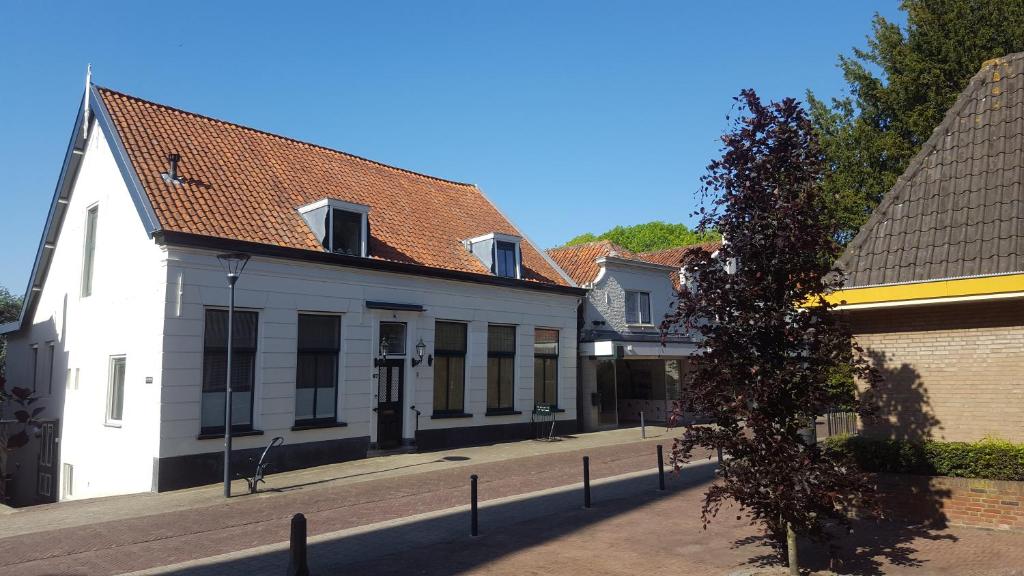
{"x": 474, "y": 521}
{"x": 297, "y": 565}
{"x": 661, "y": 469}
{"x": 586, "y": 481}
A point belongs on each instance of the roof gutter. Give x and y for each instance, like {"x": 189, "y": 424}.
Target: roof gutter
{"x": 188, "y": 240}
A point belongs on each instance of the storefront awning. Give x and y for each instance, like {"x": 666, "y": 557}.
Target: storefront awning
{"x": 625, "y": 349}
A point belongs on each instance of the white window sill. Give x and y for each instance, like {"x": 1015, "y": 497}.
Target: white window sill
{"x": 640, "y": 326}
{"x": 110, "y": 424}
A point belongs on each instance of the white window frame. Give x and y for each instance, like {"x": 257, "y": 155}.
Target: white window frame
{"x": 89, "y": 257}
{"x": 333, "y": 204}
{"x": 640, "y": 315}
{"x": 108, "y": 420}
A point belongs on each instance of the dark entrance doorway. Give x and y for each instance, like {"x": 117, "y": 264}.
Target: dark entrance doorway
{"x": 607, "y": 394}
{"x": 390, "y": 379}
{"x": 46, "y": 476}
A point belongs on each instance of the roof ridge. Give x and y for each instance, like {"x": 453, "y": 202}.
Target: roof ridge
{"x": 287, "y": 138}
{"x": 916, "y": 163}
{"x": 683, "y": 247}
{"x": 582, "y": 244}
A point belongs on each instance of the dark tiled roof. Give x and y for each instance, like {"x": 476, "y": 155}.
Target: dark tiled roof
{"x": 244, "y": 184}
{"x": 958, "y": 210}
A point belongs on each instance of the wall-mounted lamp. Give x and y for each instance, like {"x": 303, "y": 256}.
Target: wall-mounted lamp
{"x": 382, "y": 352}
{"x": 421, "y": 349}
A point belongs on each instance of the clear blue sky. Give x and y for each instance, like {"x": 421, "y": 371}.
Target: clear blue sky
{"x": 572, "y": 116}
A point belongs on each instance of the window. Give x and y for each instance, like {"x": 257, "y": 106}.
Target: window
{"x": 347, "y": 232}
{"x": 638, "y": 307}
{"x": 243, "y": 370}
{"x": 449, "y": 367}
{"x": 505, "y": 261}
{"x": 342, "y": 227}
{"x": 69, "y": 480}
{"x": 316, "y": 378}
{"x": 500, "y": 253}
{"x": 545, "y": 367}
{"x": 392, "y": 335}
{"x": 35, "y": 366}
{"x": 115, "y": 390}
{"x": 501, "y": 354}
{"x": 89, "y": 251}
{"x": 49, "y": 379}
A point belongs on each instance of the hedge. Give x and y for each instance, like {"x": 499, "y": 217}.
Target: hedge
{"x": 990, "y": 459}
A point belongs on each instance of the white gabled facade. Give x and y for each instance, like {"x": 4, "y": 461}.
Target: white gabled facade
{"x": 148, "y": 303}
{"x": 625, "y": 368}
{"x": 121, "y": 316}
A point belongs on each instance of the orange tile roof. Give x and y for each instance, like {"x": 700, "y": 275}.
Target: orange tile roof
{"x": 580, "y": 261}
{"x": 675, "y": 256}
{"x": 243, "y": 184}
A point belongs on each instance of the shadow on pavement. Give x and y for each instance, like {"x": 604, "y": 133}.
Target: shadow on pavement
{"x": 370, "y": 473}
{"x": 441, "y": 545}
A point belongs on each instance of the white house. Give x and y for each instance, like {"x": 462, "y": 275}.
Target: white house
{"x": 357, "y": 268}
{"x": 626, "y": 368}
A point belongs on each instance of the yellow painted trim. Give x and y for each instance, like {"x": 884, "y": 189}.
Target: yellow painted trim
{"x": 956, "y": 288}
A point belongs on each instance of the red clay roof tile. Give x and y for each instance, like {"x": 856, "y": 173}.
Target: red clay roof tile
{"x": 244, "y": 184}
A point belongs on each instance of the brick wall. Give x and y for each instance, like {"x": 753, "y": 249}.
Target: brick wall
{"x": 952, "y": 372}
{"x": 940, "y": 500}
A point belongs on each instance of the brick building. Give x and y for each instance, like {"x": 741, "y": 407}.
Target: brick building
{"x": 935, "y": 278}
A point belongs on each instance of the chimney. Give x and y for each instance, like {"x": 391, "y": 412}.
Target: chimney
{"x": 172, "y": 171}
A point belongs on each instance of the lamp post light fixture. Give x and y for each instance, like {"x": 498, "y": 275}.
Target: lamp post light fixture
{"x": 233, "y": 265}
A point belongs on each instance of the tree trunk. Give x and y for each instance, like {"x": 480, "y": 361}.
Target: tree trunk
{"x": 794, "y": 565}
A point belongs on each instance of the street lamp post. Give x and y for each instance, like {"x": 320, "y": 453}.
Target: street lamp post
{"x": 233, "y": 264}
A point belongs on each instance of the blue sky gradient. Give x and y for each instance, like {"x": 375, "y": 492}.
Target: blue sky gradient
{"x": 572, "y": 116}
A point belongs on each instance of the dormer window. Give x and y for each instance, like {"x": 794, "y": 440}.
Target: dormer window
{"x": 341, "y": 227}
{"x": 505, "y": 261}
{"x": 499, "y": 252}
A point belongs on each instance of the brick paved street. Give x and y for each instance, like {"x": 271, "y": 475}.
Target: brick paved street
{"x": 410, "y": 523}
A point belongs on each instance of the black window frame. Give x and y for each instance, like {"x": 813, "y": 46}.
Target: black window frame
{"x": 547, "y": 359}
{"x": 253, "y": 351}
{"x": 445, "y": 356}
{"x": 498, "y": 356}
{"x": 507, "y": 247}
{"x": 360, "y": 239}
{"x": 318, "y": 353}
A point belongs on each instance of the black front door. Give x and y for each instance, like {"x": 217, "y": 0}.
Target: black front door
{"x": 389, "y": 403}
{"x": 46, "y": 475}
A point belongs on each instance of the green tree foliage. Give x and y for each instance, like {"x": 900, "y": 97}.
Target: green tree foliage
{"x": 656, "y": 235}
{"x": 10, "y": 309}
{"x": 900, "y": 87}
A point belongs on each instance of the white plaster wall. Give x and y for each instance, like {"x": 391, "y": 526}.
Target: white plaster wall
{"x": 122, "y": 316}
{"x": 280, "y": 289}
{"x": 607, "y": 298}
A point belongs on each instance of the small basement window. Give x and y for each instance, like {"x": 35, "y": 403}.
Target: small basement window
{"x": 341, "y": 227}
{"x": 499, "y": 252}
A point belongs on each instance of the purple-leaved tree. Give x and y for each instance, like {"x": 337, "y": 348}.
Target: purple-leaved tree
{"x": 773, "y": 348}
